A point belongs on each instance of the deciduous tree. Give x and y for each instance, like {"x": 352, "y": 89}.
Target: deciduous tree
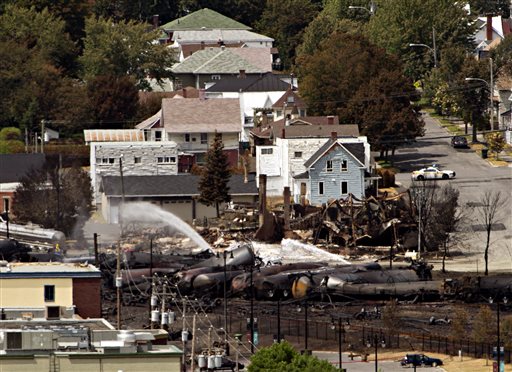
{"x": 213, "y": 185}
{"x": 283, "y": 357}
{"x": 54, "y": 198}
{"x": 484, "y": 325}
{"x": 124, "y": 49}
{"x": 285, "y": 21}
{"x": 496, "y": 143}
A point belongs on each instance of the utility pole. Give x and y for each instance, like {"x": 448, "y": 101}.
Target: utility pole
{"x": 434, "y": 46}
{"x": 7, "y": 217}
{"x": 491, "y": 94}
{"x": 164, "y": 295}
{"x": 184, "y": 334}
{"x": 119, "y": 284}
{"x": 192, "y": 352}
{"x": 252, "y": 311}
{"x": 122, "y": 193}
{"x": 42, "y": 135}
{"x": 96, "y": 258}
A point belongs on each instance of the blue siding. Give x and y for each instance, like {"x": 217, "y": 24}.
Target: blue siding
{"x": 354, "y": 176}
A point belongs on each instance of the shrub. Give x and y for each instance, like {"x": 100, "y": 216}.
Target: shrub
{"x": 10, "y": 134}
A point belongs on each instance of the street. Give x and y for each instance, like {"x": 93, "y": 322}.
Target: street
{"x": 356, "y": 365}
{"x": 474, "y": 176}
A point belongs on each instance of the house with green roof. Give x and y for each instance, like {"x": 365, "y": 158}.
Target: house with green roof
{"x": 203, "y": 19}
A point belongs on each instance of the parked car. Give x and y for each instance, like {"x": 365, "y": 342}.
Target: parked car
{"x": 459, "y": 142}
{"x": 432, "y": 173}
{"x": 420, "y": 360}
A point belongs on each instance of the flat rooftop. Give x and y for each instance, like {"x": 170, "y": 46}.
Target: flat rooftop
{"x": 48, "y": 269}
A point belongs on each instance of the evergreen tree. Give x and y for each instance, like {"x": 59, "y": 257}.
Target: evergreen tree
{"x": 213, "y": 185}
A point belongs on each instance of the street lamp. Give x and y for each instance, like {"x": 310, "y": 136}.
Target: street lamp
{"x": 299, "y": 309}
{"x": 224, "y": 255}
{"x": 341, "y": 330}
{"x": 433, "y": 49}
{"x": 271, "y": 294}
{"x": 489, "y": 86}
{"x": 498, "y": 349}
{"x": 375, "y": 345}
{"x": 370, "y": 10}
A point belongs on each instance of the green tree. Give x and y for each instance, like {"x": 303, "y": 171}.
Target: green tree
{"x": 114, "y": 100}
{"x": 54, "y": 198}
{"x": 283, "y": 357}
{"x": 473, "y": 96}
{"x": 213, "y": 185}
{"x": 336, "y": 70}
{"x": 10, "y": 141}
{"x": 285, "y": 21}
{"x": 496, "y": 143}
{"x": 381, "y": 107}
{"x": 397, "y": 23}
{"x": 124, "y": 49}
{"x": 38, "y": 31}
{"x": 502, "y": 56}
{"x": 495, "y": 7}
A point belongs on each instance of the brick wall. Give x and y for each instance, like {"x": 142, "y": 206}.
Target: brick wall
{"x": 87, "y": 297}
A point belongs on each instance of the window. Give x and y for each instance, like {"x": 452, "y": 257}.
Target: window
{"x": 187, "y": 137}
{"x": 344, "y": 188}
{"x": 49, "y": 293}
{"x": 106, "y": 161}
{"x": 279, "y": 113}
{"x": 158, "y": 135}
{"x": 137, "y": 160}
{"x": 166, "y": 159}
{"x": 329, "y": 166}
{"x": 344, "y": 166}
{"x": 290, "y": 99}
{"x": 204, "y": 138}
{"x": 13, "y": 340}
{"x": 266, "y": 151}
{"x": 215, "y": 77}
{"x": 297, "y": 154}
{"x": 320, "y": 188}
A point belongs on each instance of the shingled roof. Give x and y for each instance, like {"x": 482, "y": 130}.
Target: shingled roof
{"x": 267, "y": 82}
{"x": 226, "y": 61}
{"x": 170, "y": 185}
{"x": 213, "y": 36}
{"x": 204, "y": 18}
{"x": 297, "y": 101}
{"x": 196, "y": 115}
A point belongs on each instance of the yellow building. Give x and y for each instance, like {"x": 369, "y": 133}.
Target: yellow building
{"x": 49, "y": 290}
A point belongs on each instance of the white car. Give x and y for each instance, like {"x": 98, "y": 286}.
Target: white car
{"x": 432, "y": 173}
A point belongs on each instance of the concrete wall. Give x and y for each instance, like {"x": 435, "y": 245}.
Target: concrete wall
{"x": 30, "y": 292}
{"x": 332, "y": 180}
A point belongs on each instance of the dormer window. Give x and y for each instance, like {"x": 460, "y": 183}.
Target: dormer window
{"x": 329, "y": 166}
{"x": 290, "y": 99}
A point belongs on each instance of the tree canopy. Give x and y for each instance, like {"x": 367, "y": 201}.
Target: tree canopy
{"x": 398, "y": 23}
{"x": 54, "y": 198}
{"x": 283, "y": 357}
{"x": 285, "y": 21}
{"x": 125, "y": 48}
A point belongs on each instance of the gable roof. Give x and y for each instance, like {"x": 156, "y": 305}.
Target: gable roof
{"x": 297, "y": 101}
{"x": 267, "y": 82}
{"x": 226, "y": 61}
{"x": 204, "y": 18}
{"x": 196, "y": 115}
{"x": 358, "y": 148}
{"x": 170, "y": 185}
{"x": 13, "y": 167}
{"x": 216, "y": 35}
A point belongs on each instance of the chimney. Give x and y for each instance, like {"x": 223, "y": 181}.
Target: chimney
{"x": 155, "y": 21}
{"x": 202, "y": 96}
{"x": 283, "y": 133}
{"x": 330, "y": 120}
{"x": 291, "y": 81}
{"x": 489, "y": 28}
{"x": 334, "y": 135}
{"x": 202, "y": 45}
{"x": 241, "y": 75}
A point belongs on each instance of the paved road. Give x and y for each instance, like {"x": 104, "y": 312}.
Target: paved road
{"x": 357, "y": 365}
{"x": 474, "y": 176}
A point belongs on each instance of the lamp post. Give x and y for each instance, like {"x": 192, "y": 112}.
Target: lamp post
{"x": 375, "y": 345}
{"x": 341, "y": 331}
{"x": 306, "y": 330}
{"x": 432, "y": 48}
{"x": 225, "y": 255}
{"x": 498, "y": 349}
{"x": 370, "y": 10}
{"x": 490, "y": 87}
